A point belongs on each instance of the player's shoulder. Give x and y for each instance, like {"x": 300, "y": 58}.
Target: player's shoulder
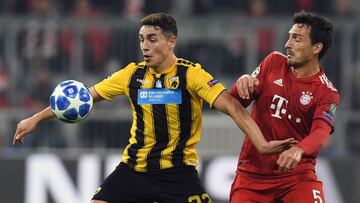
{"x": 138, "y": 65}
{"x": 278, "y": 56}
{"x": 325, "y": 84}
{"x": 274, "y": 62}
{"x": 275, "y": 59}
{"x": 184, "y": 63}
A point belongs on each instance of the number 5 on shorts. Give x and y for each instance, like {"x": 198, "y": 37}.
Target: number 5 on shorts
{"x": 317, "y": 197}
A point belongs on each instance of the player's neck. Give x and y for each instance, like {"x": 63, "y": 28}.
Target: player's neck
{"x": 307, "y": 70}
{"x": 166, "y": 64}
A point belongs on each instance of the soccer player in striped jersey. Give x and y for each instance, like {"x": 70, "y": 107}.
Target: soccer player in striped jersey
{"x": 166, "y": 94}
{"x": 293, "y": 99}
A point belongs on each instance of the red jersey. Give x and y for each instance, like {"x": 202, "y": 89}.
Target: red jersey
{"x": 284, "y": 107}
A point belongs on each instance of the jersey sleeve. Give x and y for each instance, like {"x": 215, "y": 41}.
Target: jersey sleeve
{"x": 203, "y": 84}
{"x": 260, "y": 73}
{"x": 326, "y": 107}
{"x": 264, "y": 68}
{"x": 116, "y": 84}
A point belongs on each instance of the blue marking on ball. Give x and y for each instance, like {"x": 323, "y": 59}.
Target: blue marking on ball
{"x": 71, "y": 91}
{"x": 84, "y": 109}
{"x": 62, "y": 103}
{"x": 84, "y": 95}
{"x": 70, "y": 114}
{"x": 65, "y": 83}
{"x": 52, "y": 102}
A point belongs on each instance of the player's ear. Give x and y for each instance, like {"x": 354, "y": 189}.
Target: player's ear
{"x": 172, "y": 41}
{"x": 317, "y": 47}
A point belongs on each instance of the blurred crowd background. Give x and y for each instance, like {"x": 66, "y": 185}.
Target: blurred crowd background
{"x": 43, "y": 42}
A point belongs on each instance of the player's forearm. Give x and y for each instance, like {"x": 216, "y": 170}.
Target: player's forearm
{"x": 96, "y": 97}
{"x": 319, "y": 133}
{"x": 45, "y": 114}
{"x": 247, "y": 124}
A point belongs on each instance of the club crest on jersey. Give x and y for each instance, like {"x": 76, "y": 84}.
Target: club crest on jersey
{"x": 174, "y": 82}
{"x": 306, "y": 98}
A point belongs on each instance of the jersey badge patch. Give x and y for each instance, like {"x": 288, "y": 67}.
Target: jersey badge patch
{"x": 174, "y": 82}
{"x": 332, "y": 108}
{"x": 306, "y": 98}
{"x": 328, "y": 115}
{"x": 212, "y": 82}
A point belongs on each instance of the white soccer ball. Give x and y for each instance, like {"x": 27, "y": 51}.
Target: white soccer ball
{"x": 71, "y": 101}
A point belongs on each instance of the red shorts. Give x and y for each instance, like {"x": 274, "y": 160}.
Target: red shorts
{"x": 288, "y": 188}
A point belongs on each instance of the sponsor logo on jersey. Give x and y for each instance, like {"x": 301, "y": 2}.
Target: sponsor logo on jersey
{"x": 279, "y": 82}
{"x": 174, "y": 82}
{"x": 158, "y": 84}
{"x": 141, "y": 81}
{"x": 306, "y": 98}
{"x": 212, "y": 82}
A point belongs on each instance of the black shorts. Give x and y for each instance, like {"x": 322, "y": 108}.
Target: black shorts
{"x": 175, "y": 185}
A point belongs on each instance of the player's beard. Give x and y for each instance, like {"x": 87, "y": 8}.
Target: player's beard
{"x": 297, "y": 64}
{"x": 294, "y": 64}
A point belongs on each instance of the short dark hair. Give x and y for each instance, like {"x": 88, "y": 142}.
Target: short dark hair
{"x": 162, "y": 20}
{"x": 321, "y": 30}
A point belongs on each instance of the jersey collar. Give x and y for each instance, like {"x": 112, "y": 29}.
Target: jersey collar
{"x": 168, "y": 70}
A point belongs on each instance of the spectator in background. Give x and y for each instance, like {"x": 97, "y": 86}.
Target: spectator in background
{"x": 342, "y": 8}
{"x": 356, "y": 88}
{"x": 97, "y": 38}
{"x": 265, "y": 34}
{"x": 153, "y": 6}
{"x": 39, "y": 42}
{"x": 201, "y": 7}
{"x": 133, "y": 8}
{"x": 4, "y": 86}
{"x": 40, "y": 90}
{"x": 11, "y": 7}
{"x": 43, "y": 8}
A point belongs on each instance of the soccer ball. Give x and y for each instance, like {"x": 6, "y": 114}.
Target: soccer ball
{"x": 71, "y": 101}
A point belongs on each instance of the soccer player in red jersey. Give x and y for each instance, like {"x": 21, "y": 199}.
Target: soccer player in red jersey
{"x": 293, "y": 98}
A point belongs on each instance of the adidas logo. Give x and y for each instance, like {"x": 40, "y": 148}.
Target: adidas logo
{"x": 279, "y": 82}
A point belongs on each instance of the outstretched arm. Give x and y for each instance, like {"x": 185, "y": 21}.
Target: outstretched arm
{"x": 29, "y": 124}
{"x": 229, "y": 105}
{"x": 289, "y": 159}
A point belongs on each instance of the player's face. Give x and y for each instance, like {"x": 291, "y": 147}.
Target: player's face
{"x": 157, "y": 48}
{"x": 299, "y": 49}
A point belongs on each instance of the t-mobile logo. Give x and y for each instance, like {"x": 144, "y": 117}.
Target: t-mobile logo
{"x": 277, "y": 104}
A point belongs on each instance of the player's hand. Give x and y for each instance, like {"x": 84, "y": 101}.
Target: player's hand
{"x": 24, "y": 127}
{"x": 288, "y": 159}
{"x": 246, "y": 85}
{"x": 276, "y": 146}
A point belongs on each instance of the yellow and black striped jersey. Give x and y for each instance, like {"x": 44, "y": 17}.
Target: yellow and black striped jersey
{"x": 167, "y": 112}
